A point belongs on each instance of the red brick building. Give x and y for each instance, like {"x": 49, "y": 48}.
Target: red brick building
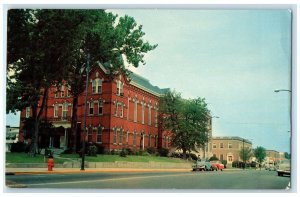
{"x": 122, "y": 113}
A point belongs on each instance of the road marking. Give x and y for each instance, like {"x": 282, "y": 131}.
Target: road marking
{"x": 115, "y": 179}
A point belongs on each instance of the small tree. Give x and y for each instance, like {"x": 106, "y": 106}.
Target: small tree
{"x": 260, "y": 154}
{"x": 213, "y": 158}
{"x": 245, "y": 154}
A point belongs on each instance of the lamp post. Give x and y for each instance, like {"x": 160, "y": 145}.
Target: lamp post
{"x": 290, "y": 131}
{"x": 85, "y": 103}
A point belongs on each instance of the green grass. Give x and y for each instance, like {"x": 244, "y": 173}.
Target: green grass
{"x": 25, "y": 158}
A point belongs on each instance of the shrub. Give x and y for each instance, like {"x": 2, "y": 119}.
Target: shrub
{"x": 130, "y": 151}
{"x": 213, "y": 158}
{"x": 92, "y": 150}
{"x": 112, "y": 152}
{"x": 151, "y": 150}
{"x": 224, "y": 162}
{"x": 123, "y": 153}
{"x": 163, "y": 152}
{"x": 18, "y": 147}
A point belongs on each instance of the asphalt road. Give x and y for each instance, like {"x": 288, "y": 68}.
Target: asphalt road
{"x": 248, "y": 179}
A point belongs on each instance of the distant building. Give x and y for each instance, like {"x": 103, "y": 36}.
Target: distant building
{"x": 273, "y": 157}
{"x": 121, "y": 113}
{"x": 228, "y": 148}
{"x": 12, "y": 135}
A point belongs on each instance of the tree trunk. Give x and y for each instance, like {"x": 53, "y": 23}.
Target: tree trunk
{"x": 37, "y": 116}
{"x": 184, "y": 153}
{"x": 74, "y": 123}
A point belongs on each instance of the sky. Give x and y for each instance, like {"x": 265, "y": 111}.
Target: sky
{"x": 235, "y": 59}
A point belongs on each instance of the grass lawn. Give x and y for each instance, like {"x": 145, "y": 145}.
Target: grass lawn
{"x": 25, "y": 158}
{"x": 128, "y": 158}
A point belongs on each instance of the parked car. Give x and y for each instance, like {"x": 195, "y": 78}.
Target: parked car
{"x": 284, "y": 167}
{"x": 217, "y": 165}
{"x": 202, "y": 166}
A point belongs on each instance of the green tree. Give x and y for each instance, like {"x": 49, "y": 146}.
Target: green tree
{"x": 43, "y": 61}
{"x": 187, "y": 119}
{"x": 287, "y": 155}
{"x": 260, "y": 154}
{"x": 245, "y": 154}
{"x": 106, "y": 40}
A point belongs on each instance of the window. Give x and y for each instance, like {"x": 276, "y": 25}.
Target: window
{"x": 56, "y": 93}
{"x": 27, "y": 112}
{"x": 90, "y": 134}
{"x": 221, "y": 145}
{"x": 214, "y": 145}
{"x": 62, "y": 91}
{"x": 55, "y": 111}
{"x": 68, "y": 92}
{"x": 229, "y": 158}
{"x": 99, "y": 134}
{"x": 97, "y": 86}
{"x": 155, "y": 140}
{"x": 115, "y": 135}
{"x": 127, "y": 137}
{"x": 156, "y": 118}
{"x": 229, "y": 145}
{"x": 221, "y": 157}
{"x": 143, "y": 113}
{"x": 91, "y": 108}
{"x": 134, "y": 138}
{"x": 149, "y": 116}
{"x": 100, "y": 107}
{"x": 65, "y": 111}
{"x": 93, "y": 86}
{"x": 121, "y": 136}
{"x": 135, "y": 112}
{"x": 115, "y": 108}
{"x": 149, "y": 140}
{"x": 119, "y": 88}
{"x": 120, "y": 107}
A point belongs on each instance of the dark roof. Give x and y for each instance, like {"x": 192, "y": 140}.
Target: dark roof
{"x": 145, "y": 83}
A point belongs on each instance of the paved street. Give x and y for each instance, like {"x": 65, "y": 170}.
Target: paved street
{"x": 230, "y": 179}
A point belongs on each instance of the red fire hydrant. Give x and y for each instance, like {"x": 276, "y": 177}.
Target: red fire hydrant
{"x": 50, "y": 163}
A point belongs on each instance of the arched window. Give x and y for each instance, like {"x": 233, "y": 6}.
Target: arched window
{"x": 121, "y": 136}
{"x": 90, "y": 134}
{"x": 99, "y": 134}
{"x": 134, "y": 138}
{"x": 115, "y": 135}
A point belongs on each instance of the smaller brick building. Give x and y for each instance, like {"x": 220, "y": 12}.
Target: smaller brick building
{"x": 228, "y": 148}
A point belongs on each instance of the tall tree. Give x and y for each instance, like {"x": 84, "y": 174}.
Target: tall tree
{"x": 106, "y": 38}
{"x": 41, "y": 62}
{"x": 260, "y": 154}
{"x": 186, "y": 119}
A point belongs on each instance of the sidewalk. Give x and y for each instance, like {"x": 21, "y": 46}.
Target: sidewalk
{"x": 16, "y": 171}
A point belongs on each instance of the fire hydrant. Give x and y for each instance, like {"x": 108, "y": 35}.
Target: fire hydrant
{"x": 50, "y": 163}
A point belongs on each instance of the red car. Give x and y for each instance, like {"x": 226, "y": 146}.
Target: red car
{"x": 217, "y": 165}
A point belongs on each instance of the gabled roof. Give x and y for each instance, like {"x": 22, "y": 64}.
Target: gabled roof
{"x": 140, "y": 82}
{"x": 145, "y": 84}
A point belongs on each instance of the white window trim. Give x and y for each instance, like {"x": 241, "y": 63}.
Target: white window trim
{"x": 27, "y": 112}
{"x": 149, "y": 116}
{"x": 55, "y": 111}
{"x": 99, "y": 134}
{"x": 143, "y": 113}
{"x": 100, "y": 104}
{"x": 91, "y": 105}
{"x": 64, "y": 110}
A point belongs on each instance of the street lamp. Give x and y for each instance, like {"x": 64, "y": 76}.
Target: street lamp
{"x": 85, "y": 103}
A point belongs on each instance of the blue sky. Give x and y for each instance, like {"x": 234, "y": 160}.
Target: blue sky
{"x": 233, "y": 58}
